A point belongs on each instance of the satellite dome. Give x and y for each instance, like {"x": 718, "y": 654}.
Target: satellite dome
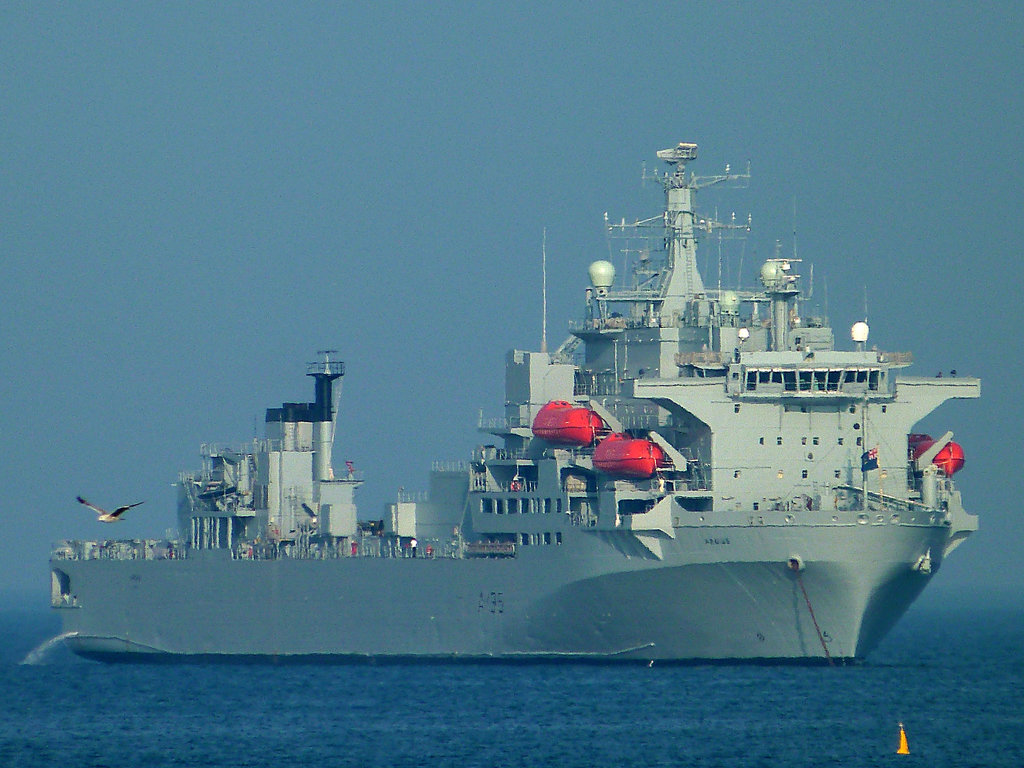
{"x": 602, "y": 274}
{"x": 729, "y": 303}
{"x": 859, "y": 332}
{"x": 771, "y": 271}
{"x": 743, "y": 333}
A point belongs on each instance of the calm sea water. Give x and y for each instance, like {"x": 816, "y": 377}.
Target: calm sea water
{"x": 956, "y": 681}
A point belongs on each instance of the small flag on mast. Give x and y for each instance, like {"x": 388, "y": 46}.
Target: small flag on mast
{"x": 869, "y": 460}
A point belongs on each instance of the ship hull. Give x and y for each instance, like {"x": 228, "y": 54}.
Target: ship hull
{"x": 698, "y": 595}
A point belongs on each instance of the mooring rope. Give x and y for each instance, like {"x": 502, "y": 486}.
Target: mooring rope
{"x": 795, "y": 567}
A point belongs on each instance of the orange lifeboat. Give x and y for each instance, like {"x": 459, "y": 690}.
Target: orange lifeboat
{"x": 563, "y": 423}
{"x": 623, "y": 456}
{"x": 950, "y": 459}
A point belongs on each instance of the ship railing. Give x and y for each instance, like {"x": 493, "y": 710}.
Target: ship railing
{"x": 490, "y": 549}
{"x": 582, "y": 456}
{"x": 887, "y": 501}
{"x": 354, "y": 476}
{"x": 120, "y": 549}
{"x": 482, "y": 485}
{"x": 331, "y": 367}
{"x": 450, "y": 465}
{"x": 390, "y": 548}
{"x": 406, "y": 497}
{"x": 500, "y": 454}
{"x": 619, "y": 323}
{"x": 256, "y": 445}
{"x": 641, "y": 422}
{"x": 501, "y": 423}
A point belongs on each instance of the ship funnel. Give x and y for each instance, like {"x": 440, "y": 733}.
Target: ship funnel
{"x": 324, "y": 373}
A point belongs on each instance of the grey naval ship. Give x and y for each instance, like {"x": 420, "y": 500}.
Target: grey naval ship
{"x": 696, "y": 473}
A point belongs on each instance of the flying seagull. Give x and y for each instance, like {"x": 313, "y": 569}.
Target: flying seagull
{"x": 108, "y": 517}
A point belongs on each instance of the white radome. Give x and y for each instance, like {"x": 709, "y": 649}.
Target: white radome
{"x": 602, "y": 274}
{"x": 859, "y": 332}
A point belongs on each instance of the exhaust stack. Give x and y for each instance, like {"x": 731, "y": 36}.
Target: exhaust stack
{"x": 324, "y": 373}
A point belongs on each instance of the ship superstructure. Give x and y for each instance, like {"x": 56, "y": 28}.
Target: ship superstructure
{"x": 694, "y": 473}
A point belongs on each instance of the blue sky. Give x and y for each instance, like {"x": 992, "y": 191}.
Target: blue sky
{"x": 197, "y": 197}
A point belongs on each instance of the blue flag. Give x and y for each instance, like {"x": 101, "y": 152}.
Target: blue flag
{"x": 869, "y": 460}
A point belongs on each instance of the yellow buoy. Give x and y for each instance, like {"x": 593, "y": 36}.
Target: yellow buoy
{"x": 904, "y": 747}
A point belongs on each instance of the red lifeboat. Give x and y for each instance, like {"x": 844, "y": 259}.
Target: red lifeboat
{"x": 950, "y": 459}
{"x": 563, "y": 423}
{"x": 620, "y": 455}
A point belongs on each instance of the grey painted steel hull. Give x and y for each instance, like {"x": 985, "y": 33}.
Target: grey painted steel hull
{"x": 740, "y": 490}
{"x": 591, "y": 602}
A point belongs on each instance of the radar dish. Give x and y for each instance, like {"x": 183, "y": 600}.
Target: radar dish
{"x": 682, "y": 153}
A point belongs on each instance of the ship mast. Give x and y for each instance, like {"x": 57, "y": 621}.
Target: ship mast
{"x": 683, "y": 281}
{"x": 684, "y": 278}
